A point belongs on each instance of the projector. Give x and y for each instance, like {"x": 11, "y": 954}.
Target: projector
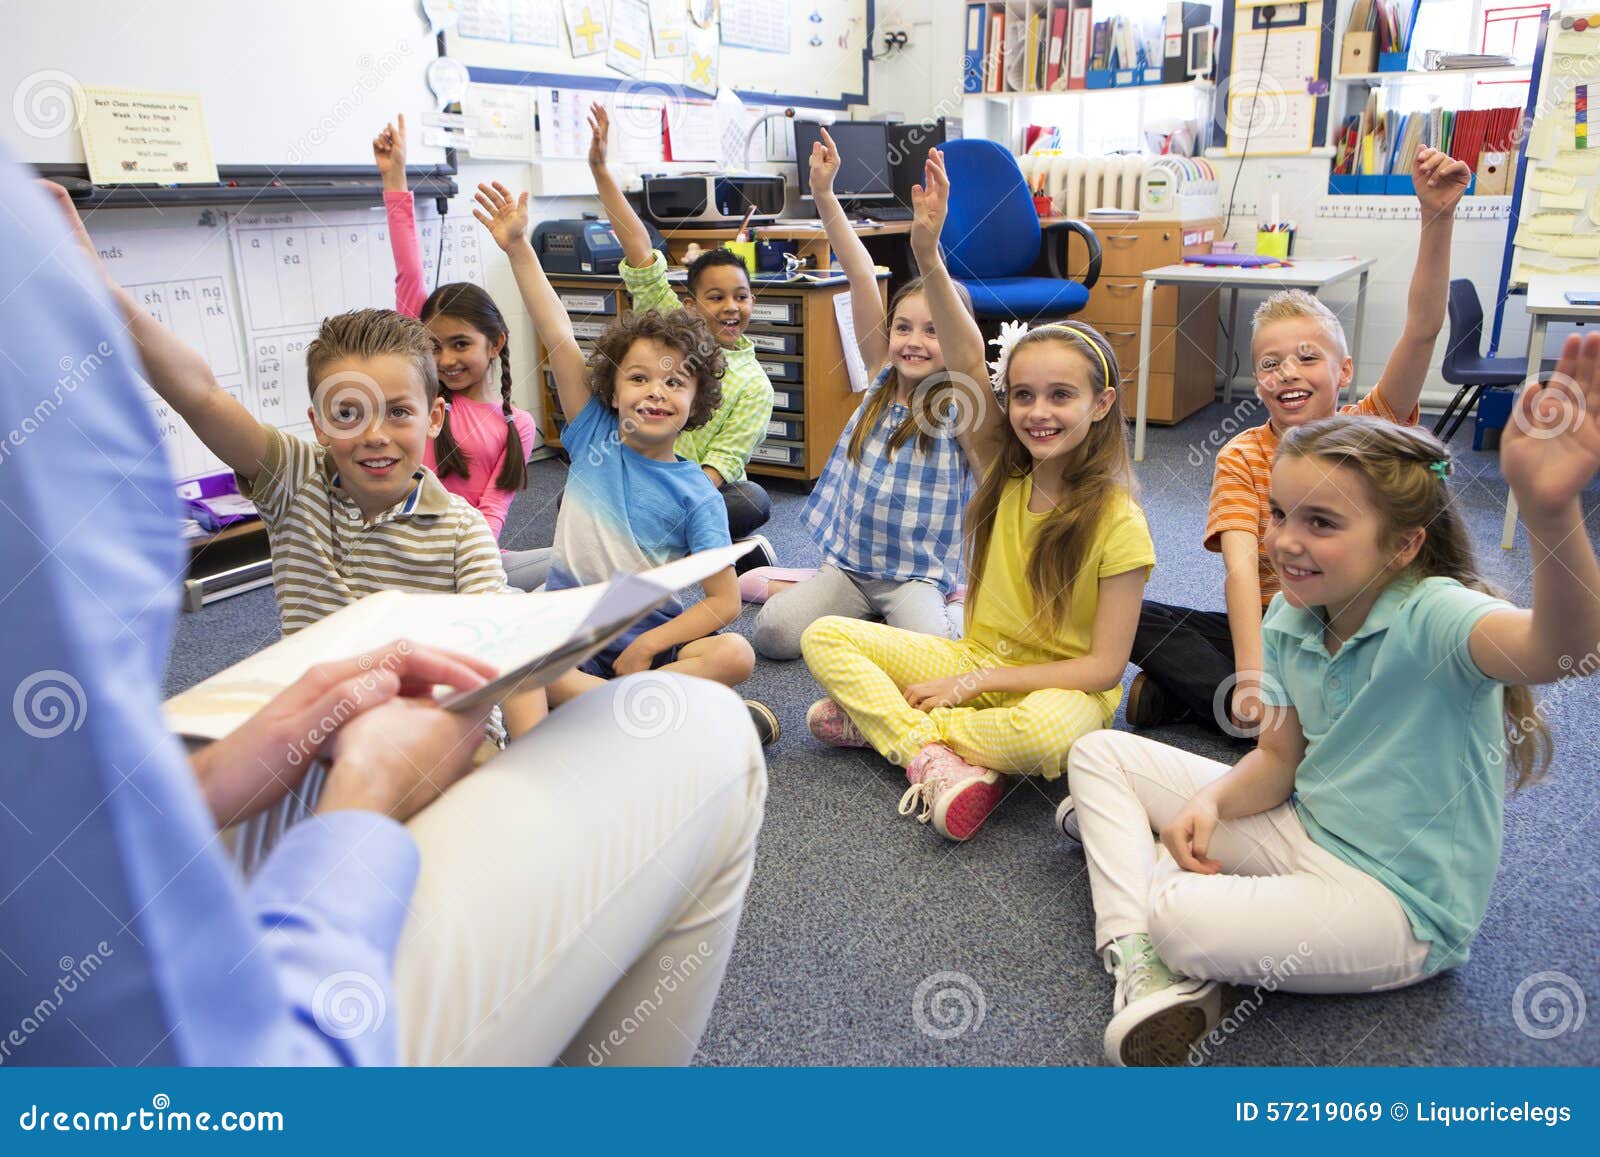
{"x": 712, "y": 199}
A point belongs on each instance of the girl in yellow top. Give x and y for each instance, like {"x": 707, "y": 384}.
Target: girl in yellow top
{"x": 1057, "y": 552}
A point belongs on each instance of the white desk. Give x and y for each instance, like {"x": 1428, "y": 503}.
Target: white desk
{"x": 1311, "y": 274}
{"x": 1546, "y": 302}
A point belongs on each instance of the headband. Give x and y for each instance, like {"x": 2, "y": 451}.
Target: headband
{"x": 1012, "y": 332}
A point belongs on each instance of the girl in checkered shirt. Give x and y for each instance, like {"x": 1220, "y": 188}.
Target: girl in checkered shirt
{"x": 886, "y": 512}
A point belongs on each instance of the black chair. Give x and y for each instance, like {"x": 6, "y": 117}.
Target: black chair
{"x": 1464, "y": 366}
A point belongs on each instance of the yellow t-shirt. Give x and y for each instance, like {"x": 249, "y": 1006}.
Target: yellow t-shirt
{"x": 1004, "y": 620}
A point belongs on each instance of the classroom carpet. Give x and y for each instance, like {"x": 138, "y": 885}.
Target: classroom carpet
{"x": 867, "y": 939}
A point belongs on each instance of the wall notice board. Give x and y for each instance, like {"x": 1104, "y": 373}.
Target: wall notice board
{"x": 809, "y": 53}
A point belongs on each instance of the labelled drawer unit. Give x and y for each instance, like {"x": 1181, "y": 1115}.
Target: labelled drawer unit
{"x": 772, "y": 342}
{"x": 781, "y": 371}
{"x": 779, "y": 312}
{"x": 789, "y": 399}
{"x": 791, "y": 427}
{"x": 588, "y": 330}
{"x": 1129, "y": 252}
{"x": 776, "y": 453}
{"x": 589, "y": 301}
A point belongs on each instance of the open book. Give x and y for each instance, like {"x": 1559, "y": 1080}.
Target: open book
{"x": 532, "y": 639}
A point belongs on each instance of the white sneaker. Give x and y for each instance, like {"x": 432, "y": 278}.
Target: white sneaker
{"x": 1067, "y": 820}
{"x": 762, "y": 555}
{"x": 1158, "y": 1015}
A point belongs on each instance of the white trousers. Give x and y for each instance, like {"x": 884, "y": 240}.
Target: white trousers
{"x": 579, "y": 894}
{"x": 1283, "y": 912}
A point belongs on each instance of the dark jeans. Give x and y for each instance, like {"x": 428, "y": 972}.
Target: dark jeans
{"x": 1189, "y": 653}
{"x": 748, "y": 508}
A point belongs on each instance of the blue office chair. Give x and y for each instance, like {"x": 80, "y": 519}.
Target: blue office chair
{"x": 995, "y": 246}
{"x": 1465, "y": 367}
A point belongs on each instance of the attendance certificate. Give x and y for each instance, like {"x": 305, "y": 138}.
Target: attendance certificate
{"x": 146, "y": 138}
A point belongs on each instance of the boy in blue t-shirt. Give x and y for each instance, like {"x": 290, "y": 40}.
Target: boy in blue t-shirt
{"x": 631, "y": 502}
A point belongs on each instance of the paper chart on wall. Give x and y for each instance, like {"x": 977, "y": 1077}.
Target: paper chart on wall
{"x": 669, "y": 28}
{"x": 586, "y": 26}
{"x": 484, "y": 19}
{"x": 535, "y": 22}
{"x": 630, "y": 37}
{"x": 563, "y": 123}
{"x": 297, "y": 268}
{"x": 503, "y": 118}
{"x": 182, "y": 279}
{"x": 759, "y": 24}
{"x": 847, "y": 339}
{"x": 1270, "y": 122}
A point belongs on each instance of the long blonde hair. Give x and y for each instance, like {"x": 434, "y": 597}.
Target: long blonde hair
{"x": 931, "y": 407}
{"x": 1400, "y": 466}
{"x": 1097, "y": 469}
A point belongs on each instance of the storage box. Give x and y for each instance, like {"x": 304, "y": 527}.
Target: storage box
{"x": 1393, "y": 61}
{"x": 1399, "y": 185}
{"x": 779, "y": 454}
{"x": 1493, "y": 178}
{"x": 774, "y": 343}
{"x": 777, "y": 371}
{"x": 1373, "y": 186}
{"x": 790, "y": 426}
{"x": 1345, "y": 183}
{"x": 1358, "y": 53}
{"x": 1099, "y": 78}
{"x": 788, "y": 399}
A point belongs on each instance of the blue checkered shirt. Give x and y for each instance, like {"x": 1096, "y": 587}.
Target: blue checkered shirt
{"x": 896, "y": 518}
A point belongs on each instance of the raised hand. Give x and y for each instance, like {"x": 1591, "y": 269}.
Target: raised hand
{"x": 1440, "y": 180}
{"x": 505, "y": 218}
{"x": 930, "y": 202}
{"x": 824, "y": 163}
{"x": 389, "y": 151}
{"x": 1550, "y": 449}
{"x": 599, "y": 131}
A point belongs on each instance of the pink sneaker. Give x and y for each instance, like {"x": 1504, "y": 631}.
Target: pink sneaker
{"x": 956, "y": 795}
{"x": 828, "y": 722}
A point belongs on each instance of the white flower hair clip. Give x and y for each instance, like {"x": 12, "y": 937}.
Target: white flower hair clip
{"x": 1011, "y": 332}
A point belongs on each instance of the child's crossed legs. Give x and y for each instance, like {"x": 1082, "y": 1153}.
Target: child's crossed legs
{"x": 1283, "y": 910}
{"x": 865, "y": 668}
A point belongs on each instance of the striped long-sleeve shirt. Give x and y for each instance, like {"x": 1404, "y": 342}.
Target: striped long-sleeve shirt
{"x": 739, "y": 425}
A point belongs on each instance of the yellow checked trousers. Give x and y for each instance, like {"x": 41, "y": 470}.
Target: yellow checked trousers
{"x": 866, "y": 667}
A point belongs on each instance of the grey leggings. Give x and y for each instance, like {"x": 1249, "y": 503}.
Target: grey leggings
{"x": 912, "y": 606}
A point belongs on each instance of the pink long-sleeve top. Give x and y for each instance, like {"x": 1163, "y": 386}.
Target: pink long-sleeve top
{"x": 479, "y": 427}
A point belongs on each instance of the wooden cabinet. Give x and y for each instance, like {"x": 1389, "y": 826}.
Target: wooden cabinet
{"x": 1183, "y": 335}
{"x": 797, "y": 343}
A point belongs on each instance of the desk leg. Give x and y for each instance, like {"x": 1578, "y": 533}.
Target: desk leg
{"x": 1146, "y": 309}
{"x": 1355, "y": 341}
{"x": 1537, "y": 328}
{"x": 1227, "y": 354}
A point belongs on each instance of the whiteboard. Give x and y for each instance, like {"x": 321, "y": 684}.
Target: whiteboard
{"x": 816, "y": 58}
{"x": 249, "y": 290}
{"x": 284, "y": 82}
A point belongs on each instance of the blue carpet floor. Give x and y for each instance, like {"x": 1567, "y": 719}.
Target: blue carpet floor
{"x": 855, "y": 912}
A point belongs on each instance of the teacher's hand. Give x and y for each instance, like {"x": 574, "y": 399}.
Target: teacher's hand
{"x": 266, "y": 757}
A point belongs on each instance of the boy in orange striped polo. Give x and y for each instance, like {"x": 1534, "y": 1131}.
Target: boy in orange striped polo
{"x": 1206, "y": 665}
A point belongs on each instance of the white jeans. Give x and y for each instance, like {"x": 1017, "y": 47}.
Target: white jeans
{"x": 1282, "y": 912}
{"x": 911, "y": 606}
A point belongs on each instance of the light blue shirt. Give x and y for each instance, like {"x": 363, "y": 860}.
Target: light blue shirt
{"x": 125, "y": 936}
{"x": 1405, "y": 766}
{"x": 623, "y": 513}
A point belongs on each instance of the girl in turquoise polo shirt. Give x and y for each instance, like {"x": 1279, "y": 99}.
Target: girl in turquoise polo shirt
{"x": 1353, "y": 850}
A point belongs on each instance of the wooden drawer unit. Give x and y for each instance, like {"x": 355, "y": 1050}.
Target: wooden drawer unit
{"x": 1183, "y": 336}
{"x": 797, "y": 340}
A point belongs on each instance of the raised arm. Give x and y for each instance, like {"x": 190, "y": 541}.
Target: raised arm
{"x": 625, "y": 223}
{"x": 389, "y": 151}
{"x": 866, "y": 304}
{"x": 1549, "y": 452}
{"x": 1440, "y": 180}
{"x": 506, "y": 218}
{"x": 981, "y": 420}
{"x": 178, "y": 374}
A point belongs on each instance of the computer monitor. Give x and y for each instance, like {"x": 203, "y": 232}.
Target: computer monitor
{"x": 865, "y": 173}
{"x": 908, "y": 149}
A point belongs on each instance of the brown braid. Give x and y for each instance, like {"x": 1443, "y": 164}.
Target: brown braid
{"x": 514, "y": 470}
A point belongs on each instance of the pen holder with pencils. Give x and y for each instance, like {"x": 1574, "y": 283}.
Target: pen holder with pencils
{"x": 1274, "y": 242}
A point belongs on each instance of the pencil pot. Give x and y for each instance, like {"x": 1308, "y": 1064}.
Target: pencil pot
{"x": 771, "y": 255}
{"x": 745, "y": 251}
{"x": 1273, "y": 244}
